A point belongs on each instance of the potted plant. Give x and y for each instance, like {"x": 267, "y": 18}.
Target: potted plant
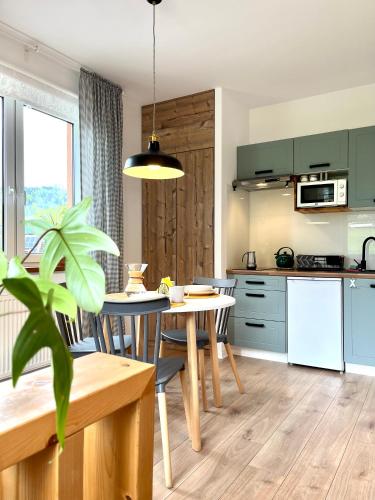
{"x": 72, "y": 239}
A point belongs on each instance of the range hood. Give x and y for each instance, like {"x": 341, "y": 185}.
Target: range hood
{"x": 263, "y": 183}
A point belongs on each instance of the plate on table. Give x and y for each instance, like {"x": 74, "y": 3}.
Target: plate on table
{"x": 135, "y": 297}
{"x": 199, "y": 290}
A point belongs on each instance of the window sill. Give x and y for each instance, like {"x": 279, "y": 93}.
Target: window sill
{"x": 33, "y": 267}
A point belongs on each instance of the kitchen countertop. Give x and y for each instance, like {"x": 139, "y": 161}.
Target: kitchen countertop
{"x": 296, "y": 272}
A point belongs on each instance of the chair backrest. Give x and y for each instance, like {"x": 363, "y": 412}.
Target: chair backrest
{"x": 226, "y": 287}
{"x": 71, "y": 331}
{"x": 113, "y": 319}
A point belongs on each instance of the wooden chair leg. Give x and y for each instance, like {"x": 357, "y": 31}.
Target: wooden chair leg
{"x": 162, "y": 403}
{"x": 186, "y": 399}
{"x": 233, "y": 365}
{"x": 162, "y": 349}
{"x": 202, "y": 373}
{"x": 214, "y": 358}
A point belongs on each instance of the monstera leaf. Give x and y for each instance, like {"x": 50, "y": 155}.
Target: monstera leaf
{"x": 40, "y": 331}
{"x": 73, "y": 240}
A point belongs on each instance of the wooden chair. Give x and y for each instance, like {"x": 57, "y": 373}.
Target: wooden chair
{"x": 114, "y": 314}
{"x": 224, "y": 286}
{"x": 78, "y": 345}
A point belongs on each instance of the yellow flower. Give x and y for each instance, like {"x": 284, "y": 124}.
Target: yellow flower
{"x": 167, "y": 281}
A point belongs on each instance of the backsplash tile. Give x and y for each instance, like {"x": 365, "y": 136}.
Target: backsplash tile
{"x": 273, "y": 223}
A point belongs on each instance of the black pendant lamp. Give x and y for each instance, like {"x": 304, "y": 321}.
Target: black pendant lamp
{"x": 153, "y": 164}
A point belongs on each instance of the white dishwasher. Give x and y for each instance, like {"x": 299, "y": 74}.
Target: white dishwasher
{"x": 315, "y": 322}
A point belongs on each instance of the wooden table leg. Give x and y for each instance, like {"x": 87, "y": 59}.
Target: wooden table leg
{"x": 193, "y": 376}
{"x": 214, "y": 358}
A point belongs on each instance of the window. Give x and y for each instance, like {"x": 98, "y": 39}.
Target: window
{"x": 41, "y": 178}
{"x": 48, "y": 168}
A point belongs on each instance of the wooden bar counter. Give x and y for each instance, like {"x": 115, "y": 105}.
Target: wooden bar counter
{"x": 108, "y": 453}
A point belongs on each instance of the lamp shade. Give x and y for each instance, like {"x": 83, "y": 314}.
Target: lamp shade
{"x": 153, "y": 164}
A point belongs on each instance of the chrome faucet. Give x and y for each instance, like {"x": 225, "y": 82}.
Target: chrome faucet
{"x": 362, "y": 265}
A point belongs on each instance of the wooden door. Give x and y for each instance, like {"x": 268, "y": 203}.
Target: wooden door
{"x": 195, "y": 216}
{"x": 159, "y": 230}
{"x": 177, "y": 226}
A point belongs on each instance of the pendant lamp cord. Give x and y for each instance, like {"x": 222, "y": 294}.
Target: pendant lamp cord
{"x": 153, "y": 69}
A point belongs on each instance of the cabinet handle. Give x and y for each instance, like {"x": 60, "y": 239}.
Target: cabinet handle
{"x": 259, "y": 172}
{"x": 372, "y": 286}
{"x": 258, "y": 325}
{"x": 256, "y": 282}
{"x": 261, "y": 295}
{"x": 320, "y": 165}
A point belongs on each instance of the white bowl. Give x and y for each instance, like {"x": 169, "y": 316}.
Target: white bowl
{"x": 198, "y": 289}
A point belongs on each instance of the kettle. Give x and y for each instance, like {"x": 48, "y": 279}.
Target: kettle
{"x": 251, "y": 262}
{"x": 284, "y": 260}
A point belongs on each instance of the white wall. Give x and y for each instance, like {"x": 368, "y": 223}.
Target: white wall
{"x": 132, "y": 186}
{"x": 271, "y": 218}
{"x": 344, "y": 109}
{"x": 274, "y": 224}
{"x": 231, "y": 227}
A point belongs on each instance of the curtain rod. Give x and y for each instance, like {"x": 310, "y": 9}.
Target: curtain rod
{"x": 32, "y": 76}
{"x": 37, "y": 47}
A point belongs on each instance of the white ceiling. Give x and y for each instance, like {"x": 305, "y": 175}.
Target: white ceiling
{"x": 275, "y": 50}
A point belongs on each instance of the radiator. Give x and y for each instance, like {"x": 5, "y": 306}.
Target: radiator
{"x": 12, "y": 316}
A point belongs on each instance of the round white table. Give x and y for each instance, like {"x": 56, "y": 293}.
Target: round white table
{"x": 192, "y": 306}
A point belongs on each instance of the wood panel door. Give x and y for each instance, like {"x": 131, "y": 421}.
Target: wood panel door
{"x": 177, "y": 226}
{"x": 159, "y": 239}
{"x": 195, "y": 216}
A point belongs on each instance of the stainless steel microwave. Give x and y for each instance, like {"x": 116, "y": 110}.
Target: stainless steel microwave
{"x": 329, "y": 193}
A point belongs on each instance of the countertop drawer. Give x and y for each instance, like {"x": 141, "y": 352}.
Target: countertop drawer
{"x": 259, "y": 282}
{"x": 265, "y": 335}
{"x": 259, "y": 304}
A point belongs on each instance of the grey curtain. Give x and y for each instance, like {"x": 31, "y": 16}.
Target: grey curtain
{"x": 101, "y": 119}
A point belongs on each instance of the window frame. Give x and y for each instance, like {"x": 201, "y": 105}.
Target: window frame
{"x": 13, "y": 173}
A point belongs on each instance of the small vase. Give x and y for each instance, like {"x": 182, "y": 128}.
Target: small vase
{"x": 135, "y": 281}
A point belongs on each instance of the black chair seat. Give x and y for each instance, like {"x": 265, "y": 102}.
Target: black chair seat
{"x": 167, "y": 369}
{"x": 87, "y": 346}
{"x": 180, "y": 337}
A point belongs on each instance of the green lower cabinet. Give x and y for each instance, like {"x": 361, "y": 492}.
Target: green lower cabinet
{"x": 259, "y": 304}
{"x": 255, "y": 334}
{"x": 257, "y": 320}
{"x": 359, "y": 321}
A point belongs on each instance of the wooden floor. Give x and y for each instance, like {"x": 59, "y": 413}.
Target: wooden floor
{"x": 297, "y": 433}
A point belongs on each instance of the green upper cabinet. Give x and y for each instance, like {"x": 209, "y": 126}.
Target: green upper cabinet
{"x": 362, "y": 167}
{"x": 265, "y": 159}
{"x": 321, "y": 152}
